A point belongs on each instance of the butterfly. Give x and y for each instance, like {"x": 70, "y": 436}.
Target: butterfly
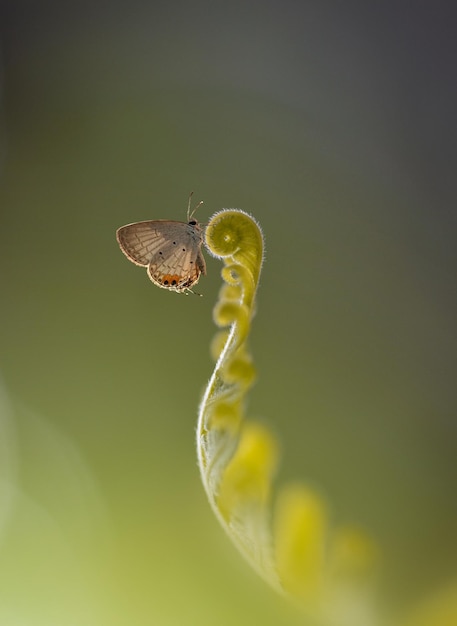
{"x": 171, "y": 251}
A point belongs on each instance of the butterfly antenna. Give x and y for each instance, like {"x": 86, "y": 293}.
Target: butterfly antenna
{"x": 188, "y": 206}
{"x": 189, "y": 213}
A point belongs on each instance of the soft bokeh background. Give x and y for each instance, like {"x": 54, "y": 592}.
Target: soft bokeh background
{"x": 332, "y": 123}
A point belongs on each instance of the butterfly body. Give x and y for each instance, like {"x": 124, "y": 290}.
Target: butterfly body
{"x": 171, "y": 251}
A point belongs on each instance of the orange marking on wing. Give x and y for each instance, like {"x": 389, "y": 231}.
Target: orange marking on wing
{"x": 168, "y": 279}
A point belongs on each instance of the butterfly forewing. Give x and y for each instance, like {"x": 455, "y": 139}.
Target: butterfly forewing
{"x": 141, "y": 241}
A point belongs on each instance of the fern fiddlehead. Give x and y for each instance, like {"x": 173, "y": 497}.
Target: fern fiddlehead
{"x": 294, "y": 549}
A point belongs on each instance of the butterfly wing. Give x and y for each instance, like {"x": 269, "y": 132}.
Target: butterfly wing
{"x": 177, "y": 270}
{"x": 170, "y": 250}
{"x": 141, "y": 241}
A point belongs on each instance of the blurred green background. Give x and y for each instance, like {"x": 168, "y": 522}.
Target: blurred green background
{"x": 334, "y": 125}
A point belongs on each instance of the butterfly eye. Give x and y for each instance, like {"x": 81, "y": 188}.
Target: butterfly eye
{"x": 192, "y": 223}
